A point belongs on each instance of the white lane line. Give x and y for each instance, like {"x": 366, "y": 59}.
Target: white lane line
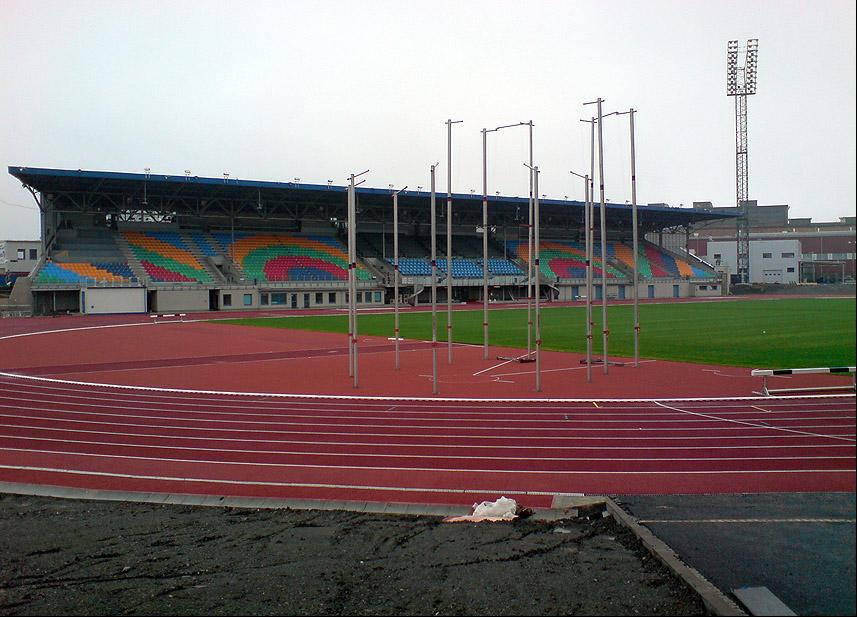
{"x": 556, "y": 370}
{"x": 433, "y": 470}
{"x": 491, "y": 368}
{"x": 775, "y": 428}
{"x": 427, "y": 415}
{"x": 351, "y": 397}
{"x": 410, "y": 456}
{"x": 100, "y": 392}
{"x": 564, "y": 425}
{"x": 750, "y": 520}
{"x": 574, "y": 438}
{"x": 400, "y": 489}
{"x": 377, "y": 444}
{"x": 584, "y": 413}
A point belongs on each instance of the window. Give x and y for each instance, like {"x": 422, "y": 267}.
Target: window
{"x": 227, "y": 299}
{"x": 22, "y": 254}
{"x": 788, "y": 255}
{"x": 263, "y": 299}
{"x": 248, "y": 299}
{"x": 34, "y": 255}
{"x": 716, "y": 256}
{"x": 767, "y": 255}
{"x": 359, "y": 297}
{"x": 278, "y": 299}
{"x": 377, "y": 297}
{"x": 790, "y": 269}
{"x": 331, "y": 297}
{"x": 319, "y": 298}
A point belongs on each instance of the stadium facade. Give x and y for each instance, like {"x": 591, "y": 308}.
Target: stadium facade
{"x": 124, "y": 242}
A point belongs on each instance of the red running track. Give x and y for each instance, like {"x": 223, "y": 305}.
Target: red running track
{"x": 387, "y": 448}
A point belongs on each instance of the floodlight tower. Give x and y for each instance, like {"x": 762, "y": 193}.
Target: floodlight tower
{"x": 740, "y": 83}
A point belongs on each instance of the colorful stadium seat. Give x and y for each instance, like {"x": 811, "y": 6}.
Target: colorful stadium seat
{"x": 270, "y": 257}
{"x": 564, "y": 259}
{"x": 84, "y": 272}
{"x": 166, "y": 257}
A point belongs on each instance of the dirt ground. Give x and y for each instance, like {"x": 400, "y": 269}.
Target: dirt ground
{"x": 70, "y": 557}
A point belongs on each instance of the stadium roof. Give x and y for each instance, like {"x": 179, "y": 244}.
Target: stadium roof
{"x": 184, "y": 194}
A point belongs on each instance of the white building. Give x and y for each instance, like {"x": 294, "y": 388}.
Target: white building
{"x": 771, "y": 261}
{"x": 19, "y": 256}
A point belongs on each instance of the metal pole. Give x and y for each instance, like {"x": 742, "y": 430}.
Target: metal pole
{"x": 535, "y": 173}
{"x": 530, "y": 251}
{"x": 636, "y": 243}
{"x": 590, "y": 238}
{"x": 587, "y": 222}
{"x": 433, "y": 286}
{"x": 449, "y": 124}
{"x": 349, "y": 292}
{"x": 605, "y": 332}
{"x": 354, "y": 278}
{"x": 485, "y": 243}
{"x": 396, "y": 271}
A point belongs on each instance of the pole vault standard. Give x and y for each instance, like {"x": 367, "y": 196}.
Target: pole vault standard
{"x": 434, "y": 283}
{"x": 396, "y": 270}
{"x": 485, "y": 241}
{"x": 631, "y": 112}
{"x": 528, "y": 123}
{"x": 534, "y": 171}
{"x": 587, "y": 224}
{"x": 605, "y": 331}
{"x": 352, "y": 272}
{"x": 449, "y": 124}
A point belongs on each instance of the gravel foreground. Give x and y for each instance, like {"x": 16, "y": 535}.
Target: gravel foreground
{"x": 74, "y": 557}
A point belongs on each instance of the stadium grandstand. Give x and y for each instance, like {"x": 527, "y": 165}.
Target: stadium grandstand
{"x": 125, "y": 242}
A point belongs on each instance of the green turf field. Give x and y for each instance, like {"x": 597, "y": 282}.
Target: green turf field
{"x": 776, "y": 333}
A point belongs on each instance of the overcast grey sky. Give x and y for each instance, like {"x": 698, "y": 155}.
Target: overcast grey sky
{"x": 316, "y": 90}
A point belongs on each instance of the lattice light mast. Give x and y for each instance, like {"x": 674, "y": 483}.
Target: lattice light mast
{"x": 740, "y": 83}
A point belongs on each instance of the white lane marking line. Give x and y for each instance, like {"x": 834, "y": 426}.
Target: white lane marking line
{"x": 643, "y": 405}
{"x": 403, "y": 456}
{"x": 556, "y": 370}
{"x": 750, "y": 520}
{"x": 371, "y": 407}
{"x": 416, "y": 469}
{"x": 400, "y": 469}
{"x": 406, "y": 445}
{"x": 422, "y": 435}
{"x": 401, "y": 489}
{"x": 573, "y": 435}
{"x": 351, "y": 397}
{"x": 292, "y": 420}
{"x": 776, "y": 428}
{"x": 491, "y": 368}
